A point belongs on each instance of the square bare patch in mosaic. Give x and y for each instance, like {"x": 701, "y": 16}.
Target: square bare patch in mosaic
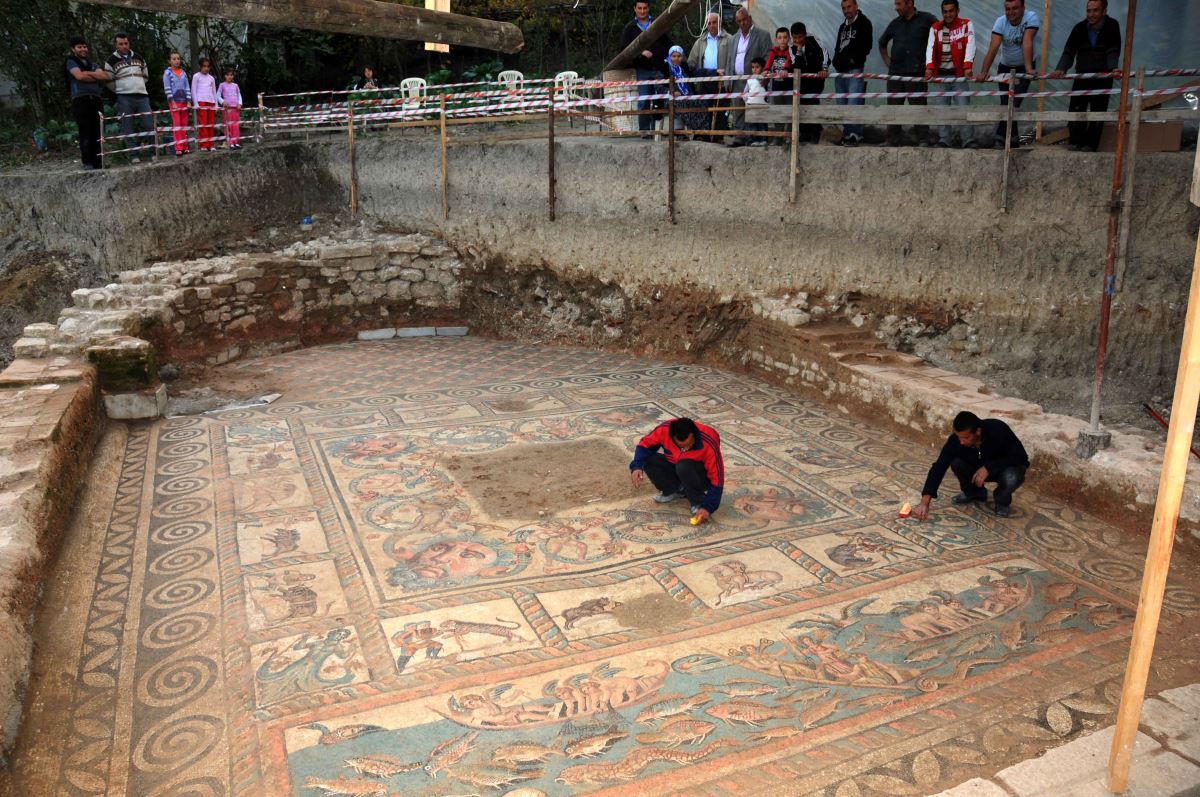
{"x": 518, "y": 482}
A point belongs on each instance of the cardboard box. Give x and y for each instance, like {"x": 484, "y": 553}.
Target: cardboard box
{"x": 1152, "y": 137}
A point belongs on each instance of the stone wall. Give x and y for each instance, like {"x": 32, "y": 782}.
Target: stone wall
{"x": 212, "y": 310}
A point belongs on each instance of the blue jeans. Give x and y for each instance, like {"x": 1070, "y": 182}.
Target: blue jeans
{"x": 850, "y": 85}
{"x": 1020, "y": 89}
{"x": 135, "y": 104}
{"x": 647, "y": 122}
{"x": 966, "y": 133}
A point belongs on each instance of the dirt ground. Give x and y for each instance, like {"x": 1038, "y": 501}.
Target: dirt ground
{"x": 532, "y": 481}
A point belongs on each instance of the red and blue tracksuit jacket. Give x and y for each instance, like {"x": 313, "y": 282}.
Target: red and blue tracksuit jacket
{"x": 706, "y": 450}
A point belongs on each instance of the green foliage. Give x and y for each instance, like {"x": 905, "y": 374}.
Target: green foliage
{"x": 439, "y": 76}
{"x": 58, "y": 134}
{"x": 483, "y": 71}
{"x": 37, "y": 32}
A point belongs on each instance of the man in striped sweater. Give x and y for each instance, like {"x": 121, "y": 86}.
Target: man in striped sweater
{"x": 682, "y": 458}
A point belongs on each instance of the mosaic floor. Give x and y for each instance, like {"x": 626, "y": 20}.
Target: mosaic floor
{"x": 424, "y": 571}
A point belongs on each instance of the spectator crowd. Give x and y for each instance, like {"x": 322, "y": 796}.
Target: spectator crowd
{"x": 923, "y": 54}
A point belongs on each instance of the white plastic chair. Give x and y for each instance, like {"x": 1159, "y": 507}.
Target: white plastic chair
{"x": 511, "y": 80}
{"x": 564, "y": 86}
{"x": 413, "y": 91}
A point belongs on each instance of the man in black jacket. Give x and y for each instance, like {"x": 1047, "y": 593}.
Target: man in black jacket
{"x": 809, "y": 57}
{"x": 1093, "y": 46}
{"x": 978, "y": 452}
{"x": 649, "y": 62}
{"x": 850, "y": 56}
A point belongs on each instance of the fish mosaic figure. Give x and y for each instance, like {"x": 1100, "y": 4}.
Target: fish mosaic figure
{"x": 677, "y": 732}
{"x": 382, "y": 766}
{"x": 671, "y": 706}
{"x": 347, "y": 787}
{"x": 523, "y": 753}
{"x": 631, "y": 765}
{"x": 591, "y": 746}
{"x": 449, "y": 753}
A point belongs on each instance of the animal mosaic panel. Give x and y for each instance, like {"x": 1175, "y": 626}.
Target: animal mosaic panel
{"x": 360, "y": 625}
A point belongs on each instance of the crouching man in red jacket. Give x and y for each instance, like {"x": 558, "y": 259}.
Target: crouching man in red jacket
{"x": 682, "y": 459}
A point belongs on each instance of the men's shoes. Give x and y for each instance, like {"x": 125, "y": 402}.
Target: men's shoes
{"x": 967, "y": 498}
{"x": 1002, "y": 511}
{"x": 666, "y": 498}
{"x": 135, "y": 159}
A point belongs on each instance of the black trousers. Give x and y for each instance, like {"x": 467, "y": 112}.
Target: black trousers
{"x": 1087, "y": 134}
{"x": 1018, "y": 92}
{"x": 687, "y": 476}
{"x": 811, "y": 132}
{"x": 1006, "y": 482}
{"x": 894, "y": 132}
{"x": 86, "y": 111}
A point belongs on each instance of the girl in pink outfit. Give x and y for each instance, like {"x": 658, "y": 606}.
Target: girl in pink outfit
{"x": 204, "y": 94}
{"x": 230, "y": 97}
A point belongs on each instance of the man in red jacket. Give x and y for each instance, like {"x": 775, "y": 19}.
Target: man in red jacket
{"x": 682, "y": 458}
{"x": 951, "y": 53}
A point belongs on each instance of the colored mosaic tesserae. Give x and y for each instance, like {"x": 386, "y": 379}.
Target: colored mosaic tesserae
{"x": 424, "y": 571}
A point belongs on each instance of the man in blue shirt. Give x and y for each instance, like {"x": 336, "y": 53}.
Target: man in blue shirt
{"x": 85, "y": 77}
{"x": 1014, "y": 36}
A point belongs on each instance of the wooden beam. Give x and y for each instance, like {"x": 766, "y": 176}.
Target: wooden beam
{"x": 659, "y": 27}
{"x": 355, "y": 17}
{"x": 1162, "y": 531}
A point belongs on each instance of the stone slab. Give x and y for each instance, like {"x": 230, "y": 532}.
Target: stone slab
{"x": 1162, "y": 775}
{"x": 1169, "y": 720}
{"x": 377, "y": 334}
{"x": 1078, "y": 762}
{"x": 1184, "y": 697}
{"x": 416, "y": 332}
{"x": 139, "y": 405}
{"x": 452, "y": 331}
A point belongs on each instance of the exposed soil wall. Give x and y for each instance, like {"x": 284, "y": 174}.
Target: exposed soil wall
{"x": 121, "y": 218}
{"x": 916, "y": 235}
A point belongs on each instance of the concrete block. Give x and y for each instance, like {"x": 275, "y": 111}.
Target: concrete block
{"x": 1184, "y": 697}
{"x": 1167, "y": 719}
{"x": 1163, "y": 775}
{"x": 416, "y": 332}
{"x": 137, "y": 405}
{"x": 377, "y": 334}
{"x": 976, "y": 787}
{"x": 1078, "y": 762}
{"x": 450, "y": 332}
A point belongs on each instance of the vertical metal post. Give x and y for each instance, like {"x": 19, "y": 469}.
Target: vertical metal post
{"x": 262, "y": 119}
{"x": 795, "y": 162}
{"x": 445, "y": 165}
{"x": 101, "y": 115}
{"x": 671, "y": 149}
{"x": 1162, "y": 533}
{"x": 550, "y": 146}
{"x": 353, "y": 160}
{"x": 1135, "y": 123}
{"x": 1008, "y": 133}
{"x": 1114, "y": 212}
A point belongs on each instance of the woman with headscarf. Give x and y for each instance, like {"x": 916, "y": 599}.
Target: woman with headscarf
{"x": 688, "y": 115}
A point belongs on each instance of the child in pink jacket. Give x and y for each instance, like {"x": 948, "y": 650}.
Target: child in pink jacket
{"x": 230, "y": 97}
